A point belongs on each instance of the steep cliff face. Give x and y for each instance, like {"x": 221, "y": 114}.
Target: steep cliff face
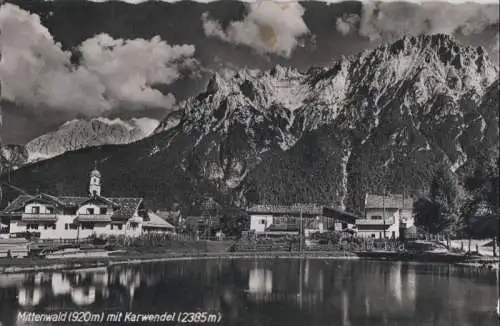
{"x": 12, "y": 157}
{"x": 381, "y": 120}
{"x": 390, "y": 114}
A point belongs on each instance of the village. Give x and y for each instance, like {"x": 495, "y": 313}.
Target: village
{"x": 65, "y": 226}
{"x": 44, "y": 218}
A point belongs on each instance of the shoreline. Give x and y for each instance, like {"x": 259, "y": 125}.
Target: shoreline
{"x": 22, "y": 265}
{"x": 29, "y": 265}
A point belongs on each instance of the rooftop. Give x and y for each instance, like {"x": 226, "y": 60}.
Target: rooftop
{"x": 388, "y": 201}
{"x": 125, "y": 206}
{"x": 155, "y": 221}
{"x": 308, "y": 209}
{"x": 341, "y": 215}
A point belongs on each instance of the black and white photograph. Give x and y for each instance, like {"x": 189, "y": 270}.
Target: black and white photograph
{"x": 249, "y": 163}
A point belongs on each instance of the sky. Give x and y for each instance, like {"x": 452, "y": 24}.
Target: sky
{"x": 63, "y": 59}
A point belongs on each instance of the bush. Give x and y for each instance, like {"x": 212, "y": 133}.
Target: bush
{"x": 330, "y": 237}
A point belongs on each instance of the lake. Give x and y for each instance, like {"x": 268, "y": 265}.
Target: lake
{"x": 260, "y": 292}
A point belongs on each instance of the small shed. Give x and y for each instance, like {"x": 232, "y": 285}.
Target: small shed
{"x": 157, "y": 225}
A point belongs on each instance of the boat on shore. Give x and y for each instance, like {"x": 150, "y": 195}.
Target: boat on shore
{"x": 77, "y": 253}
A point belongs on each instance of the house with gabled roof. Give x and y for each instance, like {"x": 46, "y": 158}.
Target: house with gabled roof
{"x": 72, "y": 217}
{"x": 279, "y": 220}
{"x": 385, "y": 216}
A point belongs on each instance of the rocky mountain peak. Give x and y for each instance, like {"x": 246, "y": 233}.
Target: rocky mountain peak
{"x": 327, "y": 135}
{"x": 79, "y": 133}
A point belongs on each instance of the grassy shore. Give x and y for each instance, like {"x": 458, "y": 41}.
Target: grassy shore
{"x": 35, "y": 264}
{"x": 156, "y": 248}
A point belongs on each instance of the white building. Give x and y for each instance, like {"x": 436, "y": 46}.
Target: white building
{"x": 385, "y": 215}
{"x": 67, "y": 217}
{"x": 287, "y": 220}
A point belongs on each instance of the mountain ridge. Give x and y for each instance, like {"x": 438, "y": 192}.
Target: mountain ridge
{"x": 76, "y": 134}
{"x": 367, "y": 123}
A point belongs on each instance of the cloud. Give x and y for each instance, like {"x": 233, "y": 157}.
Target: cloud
{"x": 269, "y": 27}
{"x": 347, "y": 23}
{"x": 111, "y": 72}
{"x": 495, "y": 51}
{"x": 393, "y": 20}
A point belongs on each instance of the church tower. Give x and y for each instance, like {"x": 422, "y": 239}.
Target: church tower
{"x": 95, "y": 183}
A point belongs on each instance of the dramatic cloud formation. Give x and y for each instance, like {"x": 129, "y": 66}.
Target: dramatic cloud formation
{"x": 393, "y": 20}
{"x": 496, "y": 46}
{"x": 110, "y": 73}
{"x": 347, "y": 23}
{"x": 269, "y": 27}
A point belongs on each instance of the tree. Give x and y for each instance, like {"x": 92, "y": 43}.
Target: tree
{"x": 480, "y": 212}
{"x": 232, "y": 223}
{"x": 438, "y": 211}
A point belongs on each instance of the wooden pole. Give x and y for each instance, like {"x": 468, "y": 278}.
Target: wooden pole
{"x": 300, "y": 230}
{"x": 495, "y": 246}
{"x": 383, "y": 211}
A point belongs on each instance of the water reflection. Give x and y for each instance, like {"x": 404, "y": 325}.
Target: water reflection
{"x": 255, "y": 292}
{"x": 260, "y": 281}
{"x": 29, "y": 296}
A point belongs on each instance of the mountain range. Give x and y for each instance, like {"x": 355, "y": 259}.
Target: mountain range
{"x": 382, "y": 120}
{"x": 76, "y": 134}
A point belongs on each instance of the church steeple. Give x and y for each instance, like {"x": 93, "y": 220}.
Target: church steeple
{"x": 95, "y": 182}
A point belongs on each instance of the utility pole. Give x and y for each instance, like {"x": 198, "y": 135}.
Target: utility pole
{"x": 498, "y": 292}
{"x": 383, "y": 211}
{"x": 402, "y": 226}
{"x": 300, "y": 230}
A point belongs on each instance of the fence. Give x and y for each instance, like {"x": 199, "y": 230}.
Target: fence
{"x": 343, "y": 244}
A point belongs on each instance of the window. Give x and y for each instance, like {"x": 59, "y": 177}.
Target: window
{"x": 32, "y": 227}
{"x": 51, "y": 226}
{"x": 263, "y": 221}
{"x": 376, "y": 217}
{"x": 50, "y": 210}
{"x": 103, "y": 210}
{"x": 90, "y": 211}
{"x": 35, "y": 210}
{"x": 70, "y": 226}
{"x": 87, "y": 226}
{"x": 120, "y": 226}
{"x": 111, "y": 227}
{"x": 373, "y": 235}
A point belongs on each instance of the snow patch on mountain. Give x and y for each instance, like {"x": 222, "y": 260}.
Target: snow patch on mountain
{"x": 80, "y": 133}
{"x": 147, "y": 125}
{"x": 411, "y": 88}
